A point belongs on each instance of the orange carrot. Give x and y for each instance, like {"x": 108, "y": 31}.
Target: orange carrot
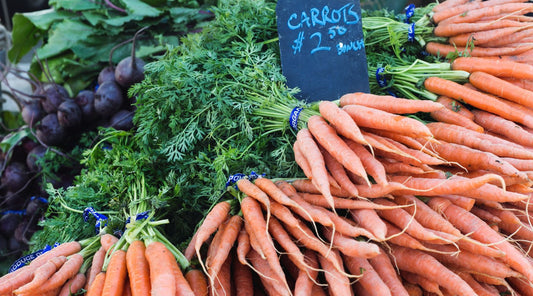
{"x": 384, "y": 268}
{"x": 349, "y": 246}
{"x": 335, "y": 145}
{"x": 483, "y": 38}
{"x": 441, "y": 49}
{"x": 479, "y": 230}
{"x": 447, "y": 4}
{"x": 338, "y": 282}
{"x": 372, "y": 166}
{"x": 306, "y": 279}
{"x": 341, "y": 203}
{"x": 369, "y": 219}
{"x": 138, "y": 268}
{"x": 341, "y": 121}
{"x": 449, "y": 116}
{"x": 498, "y": 67}
{"x": 243, "y": 246}
{"x": 480, "y": 289}
{"x": 311, "y": 152}
{"x": 369, "y": 279}
{"x": 443, "y": 14}
{"x": 418, "y": 262}
{"x": 455, "y": 106}
{"x": 389, "y": 103}
{"x": 250, "y": 189}
{"x": 63, "y": 274}
{"x": 242, "y": 277}
{"x": 97, "y": 286}
{"x": 223, "y": 284}
{"x": 116, "y": 274}
{"x": 399, "y": 237}
{"x": 73, "y": 286}
{"x": 252, "y": 213}
{"x": 96, "y": 266}
{"x": 374, "y": 118}
{"x": 476, "y": 99}
{"x": 427, "y": 284}
{"x": 269, "y": 278}
{"x": 107, "y": 241}
{"x": 300, "y": 159}
{"x": 338, "y": 172}
{"x": 503, "y": 127}
{"x": 476, "y": 14}
{"x": 42, "y": 275}
{"x": 218, "y": 214}
{"x": 227, "y": 240}
{"x": 452, "y": 29}
{"x": 162, "y": 277}
{"x": 499, "y": 87}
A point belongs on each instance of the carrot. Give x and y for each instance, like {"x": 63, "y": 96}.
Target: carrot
{"x": 381, "y": 143}
{"x": 250, "y": 189}
{"x": 479, "y": 230}
{"x": 499, "y": 87}
{"x": 116, "y": 274}
{"x": 252, "y": 213}
{"x": 42, "y": 275}
{"x": 490, "y": 194}
{"x": 269, "y": 278}
{"x": 476, "y": 14}
{"x": 336, "y": 146}
{"x": 198, "y": 282}
{"x": 483, "y": 38}
{"x": 242, "y": 278}
{"x": 472, "y": 262}
{"x": 455, "y": 134}
{"x": 480, "y": 289}
{"x": 406, "y": 140}
{"x": 341, "y": 121}
{"x": 441, "y": 49}
{"x": 306, "y": 279}
{"x": 341, "y": 203}
{"x": 371, "y": 165}
{"x": 421, "y": 157}
{"x": 227, "y": 240}
{"x": 520, "y": 82}
{"x": 384, "y": 268}
{"x": 252, "y": 239}
{"x": 338, "y": 172}
{"x": 503, "y": 127}
{"x": 485, "y": 215}
{"x": 466, "y": 7}
{"x": 476, "y": 99}
{"x": 63, "y": 274}
{"x": 521, "y": 37}
{"x": 449, "y": 116}
{"x": 162, "y": 277}
{"x": 447, "y": 4}
{"x": 349, "y": 246}
{"x": 107, "y": 241}
{"x": 369, "y": 219}
{"x": 420, "y": 263}
{"x": 455, "y": 106}
{"x": 138, "y": 268}
{"x": 399, "y": 237}
{"x": 427, "y": 284}
{"x": 338, "y": 282}
{"x": 498, "y": 67}
{"x": 375, "y": 118}
{"x": 449, "y": 30}
{"x": 394, "y": 167}
{"x": 370, "y": 279}
{"x": 426, "y": 216}
{"x": 97, "y": 286}
{"x": 222, "y": 284}
{"x": 243, "y": 246}
{"x": 372, "y": 191}
{"x": 127, "y": 288}
{"x": 300, "y": 159}
{"x": 388, "y": 103}
{"x": 96, "y": 266}
{"x": 214, "y": 243}
{"x": 218, "y": 214}
{"x": 311, "y": 152}
{"x": 73, "y": 286}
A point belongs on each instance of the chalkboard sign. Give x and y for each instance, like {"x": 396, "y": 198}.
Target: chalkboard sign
{"x": 322, "y": 47}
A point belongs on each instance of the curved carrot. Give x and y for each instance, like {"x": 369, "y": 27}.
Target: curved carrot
{"x": 300, "y": 159}
{"x": 384, "y": 268}
{"x": 269, "y": 278}
{"x": 341, "y": 121}
{"x": 107, "y": 241}
{"x": 371, "y": 165}
{"x": 306, "y": 279}
{"x": 96, "y": 266}
{"x": 162, "y": 277}
{"x": 501, "y": 88}
{"x": 252, "y": 213}
{"x": 327, "y": 137}
{"x": 369, "y": 278}
{"x": 451, "y": 117}
{"x": 243, "y": 246}
{"x": 97, "y": 286}
{"x": 370, "y": 220}
{"x": 63, "y": 274}
{"x": 503, "y": 127}
{"x": 285, "y": 241}
{"x": 138, "y": 269}
{"x": 338, "y": 172}
{"x": 338, "y": 282}
{"x": 116, "y": 274}
{"x": 42, "y": 275}
{"x": 350, "y": 246}
{"x": 73, "y": 286}
{"x": 198, "y": 282}
{"x": 388, "y": 103}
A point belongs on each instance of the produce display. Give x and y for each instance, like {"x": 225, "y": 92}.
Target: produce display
{"x": 225, "y": 183}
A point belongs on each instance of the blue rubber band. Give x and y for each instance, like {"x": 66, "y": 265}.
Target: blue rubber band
{"x": 293, "y": 119}
{"x": 21, "y": 262}
{"x": 409, "y": 12}
{"x": 232, "y": 179}
{"x": 411, "y": 32}
{"x": 140, "y": 216}
{"x": 99, "y": 218}
{"x": 382, "y": 81}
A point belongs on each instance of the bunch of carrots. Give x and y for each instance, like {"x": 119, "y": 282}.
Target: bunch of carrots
{"x": 492, "y": 28}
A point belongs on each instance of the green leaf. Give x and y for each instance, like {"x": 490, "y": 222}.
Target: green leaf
{"x": 63, "y": 36}
{"x": 13, "y": 139}
{"x": 75, "y": 5}
{"x": 25, "y": 36}
{"x": 141, "y": 8}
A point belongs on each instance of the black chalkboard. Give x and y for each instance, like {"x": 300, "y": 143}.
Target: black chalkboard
{"x": 322, "y": 47}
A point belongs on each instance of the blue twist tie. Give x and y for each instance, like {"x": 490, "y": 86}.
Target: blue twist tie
{"x": 236, "y": 177}
{"x": 382, "y": 81}
{"x": 409, "y": 12}
{"x": 21, "y": 262}
{"x": 99, "y": 218}
{"x": 39, "y": 198}
{"x": 140, "y": 216}
{"x": 293, "y": 119}
{"x": 411, "y": 33}
{"x": 20, "y": 213}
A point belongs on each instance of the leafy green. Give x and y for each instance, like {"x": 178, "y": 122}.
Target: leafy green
{"x": 79, "y": 34}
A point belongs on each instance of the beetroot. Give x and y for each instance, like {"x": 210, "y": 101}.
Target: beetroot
{"x": 32, "y": 112}
{"x": 49, "y": 131}
{"x": 69, "y": 114}
{"x": 85, "y": 100}
{"x": 108, "y": 99}
{"x": 130, "y": 70}
{"x": 15, "y": 176}
{"x": 54, "y": 94}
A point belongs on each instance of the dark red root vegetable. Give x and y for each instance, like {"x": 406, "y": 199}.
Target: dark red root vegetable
{"x": 130, "y": 70}
{"x": 54, "y": 95}
{"x": 32, "y": 112}
{"x": 15, "y": 176}
{"x": 32, "y": 157}
{"x": 108, "y": 99}
{"x": 122, "y": 120}
{"x": 85, "y": 100}
{"x": 49, "y": 131}
{"x": 69, "y": 114}
{"x": 8, "y": 224}
{"x": 106, "y": 74}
